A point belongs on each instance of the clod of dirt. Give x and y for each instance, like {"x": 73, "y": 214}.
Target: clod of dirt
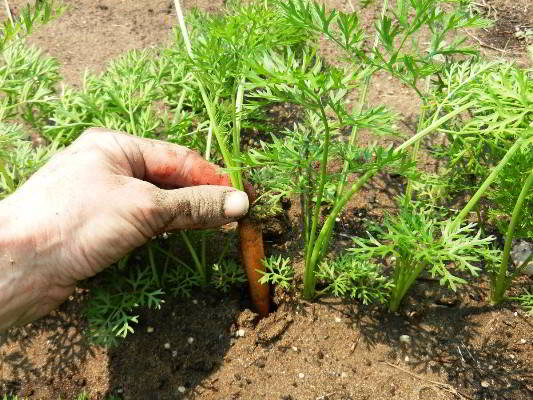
{"x": 247, "y": 319}
{"x": 448, "y": 300}
{"x": 270, "y": 329}
{"x": 275, "y": 229}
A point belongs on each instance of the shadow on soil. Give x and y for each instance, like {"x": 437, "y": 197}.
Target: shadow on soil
{"x": 52, "y": 350}
{"x": 174, "y": 351}
{"x": 468, "y": 344}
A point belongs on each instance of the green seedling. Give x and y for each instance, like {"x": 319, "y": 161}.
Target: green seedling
{"x": 227, "y": 274}
{"x": 278, "y": 271}
{"x": 18, "y": 158}
{"x": 526, "y": 301}
{"x": 348, "y": 276}
{"x": 31, "y": 16}
{"x": 414, "y": 242}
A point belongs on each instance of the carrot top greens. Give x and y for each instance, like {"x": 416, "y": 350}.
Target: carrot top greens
{"x": 217, "y": 89}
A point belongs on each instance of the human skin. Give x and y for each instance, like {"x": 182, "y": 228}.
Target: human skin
{"x": 90, "y": 205}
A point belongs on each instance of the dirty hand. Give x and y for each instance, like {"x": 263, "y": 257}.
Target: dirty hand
{"x": 90, "y": 205}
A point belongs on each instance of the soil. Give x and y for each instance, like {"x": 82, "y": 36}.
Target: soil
{"x": 441, "y": 346}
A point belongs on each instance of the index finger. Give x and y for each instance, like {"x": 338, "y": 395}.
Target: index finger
{"x": 165, "y": 164}
{"x": 171, "y": 164}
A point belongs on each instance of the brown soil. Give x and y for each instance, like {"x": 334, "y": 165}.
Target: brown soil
{"x": 458, "y": 347}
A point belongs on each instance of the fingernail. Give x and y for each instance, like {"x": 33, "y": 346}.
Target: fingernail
{"x": 235, "y": 204}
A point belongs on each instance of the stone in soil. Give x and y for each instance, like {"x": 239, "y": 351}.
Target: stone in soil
{"x": 520, "y": 251}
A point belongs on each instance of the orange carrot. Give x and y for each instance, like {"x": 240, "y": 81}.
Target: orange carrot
{"x": 253, "y": 253}
{"x": 250, "y": 235}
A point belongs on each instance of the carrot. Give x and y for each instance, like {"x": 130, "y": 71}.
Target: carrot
{"x": 252, "y": 253}
{"x": 249, "y": 229}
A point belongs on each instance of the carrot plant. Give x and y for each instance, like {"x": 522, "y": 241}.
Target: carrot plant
{"x": 278, "y": 271}
{"x": 415, "y": 241}
{"x": 348, "y": 276}
{"x": 298, "y": 162}
{"x": 526, "y": 301}
{"x": 27, "y": 86}
{"x": 219, "y": 59}
{"x": 492, "y": 145}
{"x": 490, "y": 154}
{"x": 161, "y": 94}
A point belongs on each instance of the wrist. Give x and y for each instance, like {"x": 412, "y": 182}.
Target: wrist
{"x": 31, "y": 262}
{"x": 16, "y": 256}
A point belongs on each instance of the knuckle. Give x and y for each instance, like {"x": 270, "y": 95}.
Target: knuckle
{"x": 96, "y": 135}
{"x": 205, "y": 205}
{"x": 154, "y": 208}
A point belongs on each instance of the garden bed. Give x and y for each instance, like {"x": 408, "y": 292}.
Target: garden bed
{"x": 441, "y": 345}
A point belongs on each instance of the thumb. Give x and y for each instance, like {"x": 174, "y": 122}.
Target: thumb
{"x": 204, "y": 206}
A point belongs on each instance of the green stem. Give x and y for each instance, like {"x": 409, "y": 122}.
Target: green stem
{"x": 433, "y": 126}
{"x": 237, "y": 129}
{"x": 362, "y": 102}
{"x": 414, "y": 154}
{"x": 153, "y": 266}
{"x": 177, "y": 114}
{"x": 316, "y": 250}
{"x": 492, "y": 176}
{"x": 197, "y": 263}
{"x": 226, "y": 155}
{"x": 403, "y": 285}
{"x": 209, "y": 141}
{"x": 209, "y": 137}
{"x": 501, "y": 282}
{"x": 174, "y": 258}
{"x": 203, "y": 251}
{"x": 309, "y": 273}
{"x": 305, "y": 194}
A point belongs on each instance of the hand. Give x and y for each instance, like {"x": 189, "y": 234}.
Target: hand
{"x": 94, "y": 202}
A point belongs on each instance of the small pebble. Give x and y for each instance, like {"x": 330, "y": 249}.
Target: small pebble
{"x": 167, "y": 345}
{"x": 523, "y": 341}
{"x": 405, "y": 339}
{"x": 190, "y": 340}
{"x": 344, "y": 375}
{"x": 485, "y": 384}
{"x": 337, "y": 319}
{"x": 150, "y": 329}
{"x": 174, "y": 353}
{"x": 406, "y": 359}
{"x": 240, "y": 333}
{"x": 301, "y": 375}
{"x": 295, "y": 349}
{"x": 182, "y": 389}
{"x": 195, "y": 301}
